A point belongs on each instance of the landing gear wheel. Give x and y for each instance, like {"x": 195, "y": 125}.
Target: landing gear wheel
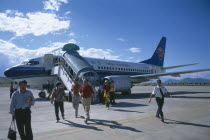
{"x": 42, "y": 94}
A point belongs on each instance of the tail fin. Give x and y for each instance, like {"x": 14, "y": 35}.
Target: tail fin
{"x": 157, "y": 58}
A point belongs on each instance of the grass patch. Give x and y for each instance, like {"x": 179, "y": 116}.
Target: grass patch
{"x": 5, "y": 82}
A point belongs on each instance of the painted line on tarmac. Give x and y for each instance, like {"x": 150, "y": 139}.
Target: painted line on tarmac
{"x": 76, "y": 130}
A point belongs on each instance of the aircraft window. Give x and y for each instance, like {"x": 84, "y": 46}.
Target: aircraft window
{"x": 98, "y": 67}
{"x": 107, "y": 68}
{"x": 32, "y": 63}
{"x": 118, "y": 68}
{"x": 104, "y": 67}
{"x": 122, "y": 69}
{"x": 112, "y": 68}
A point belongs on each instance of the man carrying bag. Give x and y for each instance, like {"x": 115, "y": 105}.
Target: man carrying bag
{"x": 22, "y": 100}
{"x": 12, "y": 131}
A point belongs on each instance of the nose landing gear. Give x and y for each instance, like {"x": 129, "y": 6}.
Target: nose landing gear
{"x": 42, "y": 94}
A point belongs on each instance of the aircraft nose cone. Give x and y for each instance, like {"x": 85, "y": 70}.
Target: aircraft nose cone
{"x": 7, "y": 73}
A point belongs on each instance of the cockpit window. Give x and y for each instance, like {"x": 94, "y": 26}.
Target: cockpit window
{"x": 24, "y": 62}
{"x": 32, "y": 63}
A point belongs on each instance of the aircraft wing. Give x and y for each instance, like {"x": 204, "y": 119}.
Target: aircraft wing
{"x": 172, "y": 67}
{"x": 157, "y": 75}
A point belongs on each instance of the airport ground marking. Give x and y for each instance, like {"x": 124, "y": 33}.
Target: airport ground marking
{"x": 62, "y": 132}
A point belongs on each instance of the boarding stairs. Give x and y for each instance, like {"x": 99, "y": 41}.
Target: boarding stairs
{"x": 73, "y": 66}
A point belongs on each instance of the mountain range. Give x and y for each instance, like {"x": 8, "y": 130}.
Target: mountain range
{"x": 188, "y": 80}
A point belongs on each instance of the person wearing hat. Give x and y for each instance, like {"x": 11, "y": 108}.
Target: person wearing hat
{"x": 86, "y": 91}
{"x": 159, "y": 92}
{"x": 106, "y": 90}
{"x": 21, "y": 102}
{"x": 75, "y": 96}
{"x": 58, "y": 98}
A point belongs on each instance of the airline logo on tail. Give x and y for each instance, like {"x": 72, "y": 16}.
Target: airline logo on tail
{"x": 160, "y": 52}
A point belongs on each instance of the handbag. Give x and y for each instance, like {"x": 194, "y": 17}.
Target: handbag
{"x": 12, "y": 131}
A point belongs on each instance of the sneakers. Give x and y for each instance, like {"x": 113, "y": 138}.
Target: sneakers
{"x": 57, "y": 121}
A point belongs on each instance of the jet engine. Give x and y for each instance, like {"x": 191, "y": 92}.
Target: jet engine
{"x": 121, "y": 84}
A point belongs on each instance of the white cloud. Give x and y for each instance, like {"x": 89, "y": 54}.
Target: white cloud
{"x": 53, "y": 5}
{"x": 36, "y": 23}
{"x": 98, "y": 53}
{"x": 72, "y": 41}
{"x": 15, "y": 54}
{"x": 67, "y": 13}
{"x": 72, "y": 34}
{"x": 135, "y": 50}
{"x": 205, "y": 75}
{"x": 121, "y": 39}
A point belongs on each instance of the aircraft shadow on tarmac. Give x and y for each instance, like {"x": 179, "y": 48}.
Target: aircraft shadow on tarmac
{"x": 127, "y": 104}
{"x": 122, "y": 110}
{"x": 178, "y": 93}
{"x": 170, "y": 121}
{"x": 133, "y": 96}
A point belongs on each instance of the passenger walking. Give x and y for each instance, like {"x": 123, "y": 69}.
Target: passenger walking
{"x": 21, "y": 102}
{"x": 15, "y": 86}
{"x": 11, "y": 89}
{"x": 159, "y": 92}
{"x": 112, "y": 94}
{"x": 75, "y": 96}
{"x": 86, "y": 91}
{"x": 58, "y": 98}
{"x": 101, "y": 95}
{"x": 106, "y": 91}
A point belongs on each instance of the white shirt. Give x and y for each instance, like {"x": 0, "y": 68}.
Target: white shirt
{"x": 156, "y": 91}
{"x": 15, "y": 86}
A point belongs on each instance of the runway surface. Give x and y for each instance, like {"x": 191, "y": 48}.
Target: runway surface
{"x": 187, "y": 117}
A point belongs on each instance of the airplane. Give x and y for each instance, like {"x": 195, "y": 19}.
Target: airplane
{"x": 69, "y": 64}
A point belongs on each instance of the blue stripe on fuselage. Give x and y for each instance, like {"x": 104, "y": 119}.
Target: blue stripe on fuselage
{"x": 26, "y": 71}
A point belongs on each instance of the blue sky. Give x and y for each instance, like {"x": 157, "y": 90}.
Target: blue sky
{"x": 116, "y": 29}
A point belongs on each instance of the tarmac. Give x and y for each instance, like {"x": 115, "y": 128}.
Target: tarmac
{"x": 187, "y": 117}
